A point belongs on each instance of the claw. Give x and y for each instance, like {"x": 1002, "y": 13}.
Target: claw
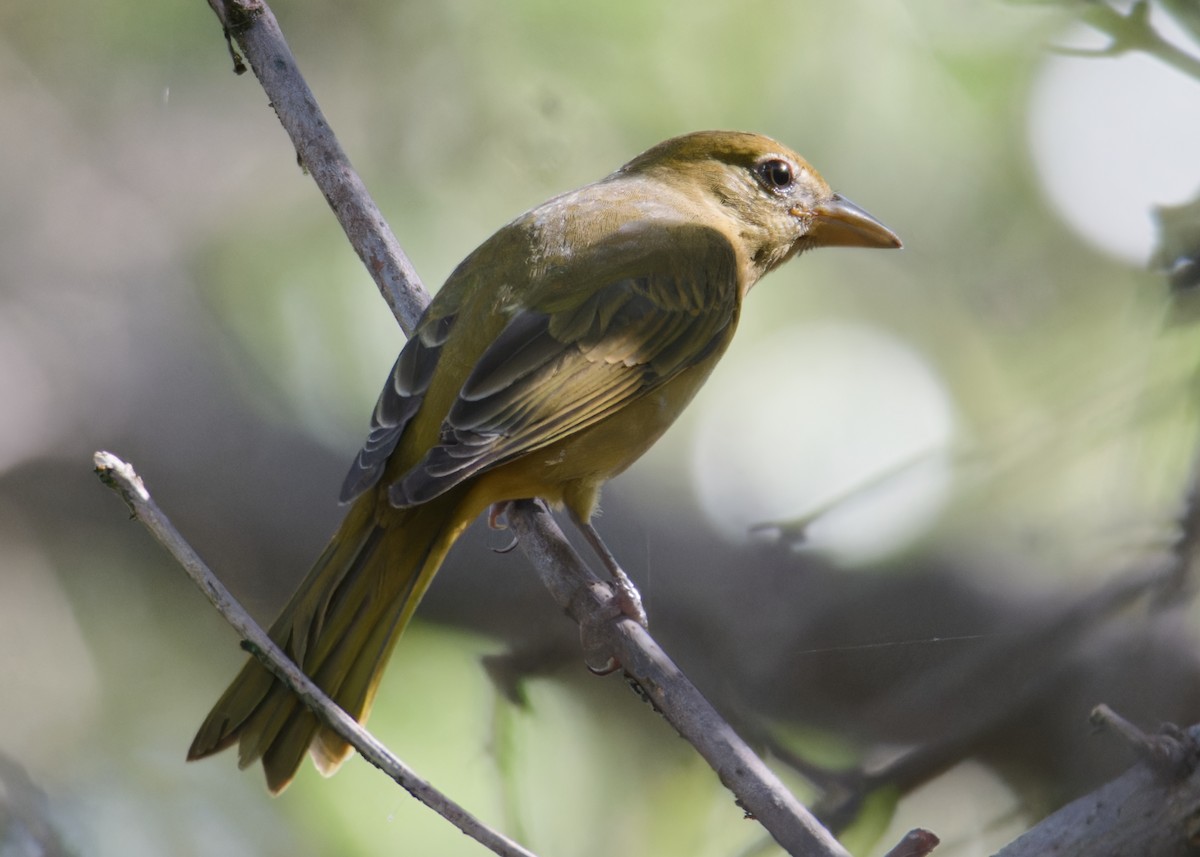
{"x": 516, "y": 540}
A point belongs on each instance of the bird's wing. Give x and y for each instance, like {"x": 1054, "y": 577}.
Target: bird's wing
{"x": 398, "y": 403}
{"x": 581, "y": 351}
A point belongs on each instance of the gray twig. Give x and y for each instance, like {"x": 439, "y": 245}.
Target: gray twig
{"x": 121, "y": 477}
{"x": 1172, "y": 751}
{"x": 916, "y": 843}
{"x": 253, "y": 26}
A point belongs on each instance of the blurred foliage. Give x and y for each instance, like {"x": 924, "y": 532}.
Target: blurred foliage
{"x": 173, "y": 287}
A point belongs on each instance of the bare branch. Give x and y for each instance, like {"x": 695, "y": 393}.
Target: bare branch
{"x": 120, "y": 476}
{"x": 1150, "y": 809}
{"x": 1171, "y": 752}
{"x": 252, "y": 24}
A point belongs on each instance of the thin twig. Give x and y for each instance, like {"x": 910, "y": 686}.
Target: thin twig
{"x": 1171, "y": 751}
{"x": 253, "y": 26}
{"x": 1133, "y": 31}
{"x": 916, "y": 843}
{"x": 121, "y": 477}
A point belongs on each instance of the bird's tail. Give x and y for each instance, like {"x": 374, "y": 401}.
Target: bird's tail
{"x": 340, "y": 627}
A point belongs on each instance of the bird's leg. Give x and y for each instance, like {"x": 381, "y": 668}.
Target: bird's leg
{"x": 627, "y": 596}
{"x": 626, "y": 601}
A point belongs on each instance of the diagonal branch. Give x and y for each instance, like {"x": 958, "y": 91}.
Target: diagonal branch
{"x": 253, "y": 25}
{"x": 120, "y": 476}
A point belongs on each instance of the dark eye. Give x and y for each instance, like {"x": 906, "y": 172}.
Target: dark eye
{"x": 777, "y": 174}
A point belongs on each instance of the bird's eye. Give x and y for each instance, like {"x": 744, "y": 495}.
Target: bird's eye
{"x": 777, "y": 174}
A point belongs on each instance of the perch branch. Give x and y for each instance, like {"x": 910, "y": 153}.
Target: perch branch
{"x": 253, "y": 26}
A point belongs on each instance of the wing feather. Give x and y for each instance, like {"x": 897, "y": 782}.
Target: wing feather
{"x": 398, "y": 403}
{"x": 549, "y": 375}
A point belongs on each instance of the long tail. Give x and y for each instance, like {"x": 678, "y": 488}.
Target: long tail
{"x": 340, "y": 626}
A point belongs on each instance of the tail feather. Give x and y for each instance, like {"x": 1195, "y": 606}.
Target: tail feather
{"x": 340, "y": 627}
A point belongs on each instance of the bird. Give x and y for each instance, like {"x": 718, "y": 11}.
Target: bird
{"x": 554, "y": 356}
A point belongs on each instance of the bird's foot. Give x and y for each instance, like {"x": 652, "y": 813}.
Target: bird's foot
{"x": 623, "y": 599}
{"x": 595, "y": 632}
{"x": 627, "y": 597}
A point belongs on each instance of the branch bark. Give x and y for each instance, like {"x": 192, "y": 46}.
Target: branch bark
{"x": 252, "y": 24}
{"x": 121, "y": 477}
{"x": 1153, "y": 808}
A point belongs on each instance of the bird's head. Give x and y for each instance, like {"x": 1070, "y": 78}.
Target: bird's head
{"x": 778, "y": 204}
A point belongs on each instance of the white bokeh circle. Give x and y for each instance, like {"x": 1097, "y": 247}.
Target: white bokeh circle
{"x": 1112, "y": 137}
{"x": 836, "y": 414}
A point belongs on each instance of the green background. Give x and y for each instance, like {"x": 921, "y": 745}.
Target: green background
{"x": 173, "y": 288}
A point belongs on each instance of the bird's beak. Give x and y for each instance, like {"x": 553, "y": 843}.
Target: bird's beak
{"x": 841, "y": 223}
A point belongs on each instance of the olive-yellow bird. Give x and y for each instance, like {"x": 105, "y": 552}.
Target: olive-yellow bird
{"x": 552, "y": 358}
